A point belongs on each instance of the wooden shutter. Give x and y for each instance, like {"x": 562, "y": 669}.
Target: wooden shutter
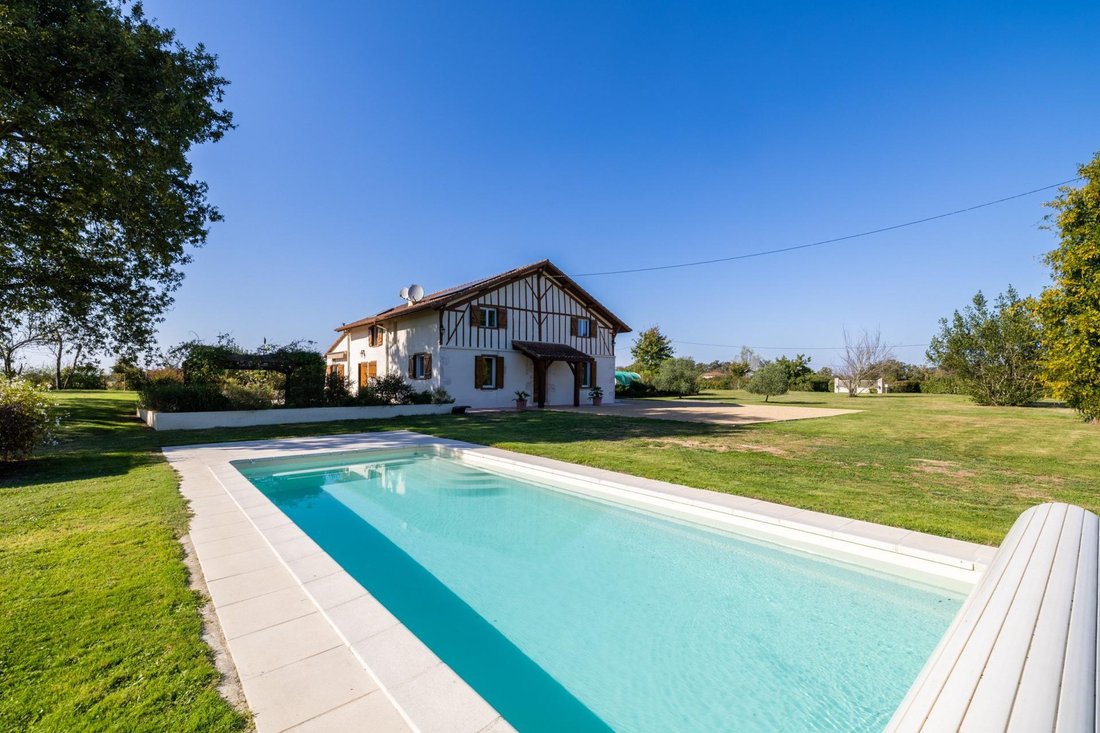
{"x": 372, "y": 369}
{"x": 340, "y": 370}
{"x": 427, "y": 366}
{"x": 502, "y": 318}
{"x": 500, "y": 372}
{"x": 592, "y": 375}
{"x": 573, "y": 326}
{"x": 364, "y": 374}
{"x": 412, "y": 367}
{"x": 479, "y": 369}
{"x": 475, "y": 316}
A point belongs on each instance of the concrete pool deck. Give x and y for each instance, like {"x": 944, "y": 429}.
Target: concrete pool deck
{"x": 315, "y": 651}
{"x": 705, "y": 411}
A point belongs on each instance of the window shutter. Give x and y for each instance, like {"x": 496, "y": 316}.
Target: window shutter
{"x": 573, "y": 326}
{"x": 500, "y": 372}
{"x": 372, "y": 370}
{"x": 412, "y": 367}
{"x": 475, "y": 316}
{"x": 502, "y": 318}
{"x": 592, "y": 376}
{"x": 479, "y": 369}
{"x": 427, "y": 366}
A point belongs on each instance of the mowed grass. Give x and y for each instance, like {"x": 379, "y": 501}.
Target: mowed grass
{"x": 98, "y": 629}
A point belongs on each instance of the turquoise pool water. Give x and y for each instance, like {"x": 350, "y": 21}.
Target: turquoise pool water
{"x": 570, "y": 614}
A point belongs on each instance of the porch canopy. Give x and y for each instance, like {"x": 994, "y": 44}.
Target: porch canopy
{"x": 544, "y": 354}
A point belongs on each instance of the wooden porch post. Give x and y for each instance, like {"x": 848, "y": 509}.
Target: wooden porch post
{"x": 576, "y": 367}
{"x": 540, "y": 382}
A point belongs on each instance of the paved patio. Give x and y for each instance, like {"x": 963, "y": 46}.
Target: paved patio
{"x": 705, "y": 411}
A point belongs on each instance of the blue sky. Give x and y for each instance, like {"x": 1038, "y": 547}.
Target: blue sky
{"x": 386, "y": 143}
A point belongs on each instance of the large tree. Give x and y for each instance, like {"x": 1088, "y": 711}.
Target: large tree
{"x": 993, "y": 352}
{"x": 99, "y": 109}
{"x": 650, "y": 349}
{"x": 1070, "y": 309}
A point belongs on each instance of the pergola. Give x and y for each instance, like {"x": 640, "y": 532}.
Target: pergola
{"x": 544, "y": 354}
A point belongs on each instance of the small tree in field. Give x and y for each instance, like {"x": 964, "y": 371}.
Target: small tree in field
{"x": 993, "y": 352}
{"x": 678, "y": 376}
{"x": 769, "y": 380}
{"x": 863, "y": 358}
{"x": 1070, "y": 308}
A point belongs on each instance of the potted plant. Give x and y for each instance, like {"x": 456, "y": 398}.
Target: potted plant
{"x": 521, "y": 399}
{"x": 596, "y": 394}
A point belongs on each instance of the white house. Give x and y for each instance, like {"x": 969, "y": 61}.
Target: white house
{"x": 530, "y": 329}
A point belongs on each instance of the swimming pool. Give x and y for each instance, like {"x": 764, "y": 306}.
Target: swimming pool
{"x": 569, "y": 613}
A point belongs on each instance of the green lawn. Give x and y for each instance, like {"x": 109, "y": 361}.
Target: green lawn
{"x": 99, "y": 631}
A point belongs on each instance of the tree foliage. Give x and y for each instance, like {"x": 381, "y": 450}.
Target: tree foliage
{"x": 1069, "y": 310}
{"x": 99, "y": 109}
{"x": 678, "y": 376}
{"x": 993, "y": 352}
{"x": 650, "y": 349}
{"x": 769, "y": 380}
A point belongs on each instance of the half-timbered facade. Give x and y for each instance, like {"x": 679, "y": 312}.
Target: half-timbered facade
{"x": 531, "y": 329}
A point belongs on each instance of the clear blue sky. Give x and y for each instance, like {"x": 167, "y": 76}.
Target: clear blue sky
{"x": 386, "y": 143}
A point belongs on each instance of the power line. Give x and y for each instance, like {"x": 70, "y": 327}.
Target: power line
{"x": 835, "y": 239}
{"x": 784, "y": 348}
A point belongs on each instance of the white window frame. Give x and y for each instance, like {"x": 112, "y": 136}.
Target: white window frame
{"x": 585, "y": 325}
{"x": 420, "y": 363}
{"x": 484, "y": 319}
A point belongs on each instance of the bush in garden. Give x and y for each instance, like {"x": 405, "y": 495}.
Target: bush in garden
{"x": 249, "y": 397}
{"x": 392, "y": 389}
{"x": 441, "y": 396}
{"x": 175, "y": 397}
{"x": 26, "y": 421}
{"x": 769, "y": 380}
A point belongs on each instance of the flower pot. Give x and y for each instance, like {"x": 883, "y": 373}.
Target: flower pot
{"x": 597, "y": 401}
{"x": 521, "y": 404}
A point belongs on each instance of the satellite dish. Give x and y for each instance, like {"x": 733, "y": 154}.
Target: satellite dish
{"x": 416, "y": 293}
{"x": 404, "y": 294}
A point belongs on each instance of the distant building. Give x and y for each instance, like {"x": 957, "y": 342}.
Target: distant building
{"x": 532, "y": 329}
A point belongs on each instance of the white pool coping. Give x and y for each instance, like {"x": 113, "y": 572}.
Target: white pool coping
{"x": 315, "y": 651}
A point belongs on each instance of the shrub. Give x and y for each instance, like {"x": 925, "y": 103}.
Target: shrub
{"x": 26, "y": 422}
{"x": 337, "y": 390}
{"x": 125, "y": 374}
{"x": 421, "y": 398}
{"x": 678, "y": 376}
{"x": 769, "y": 380}
{"x": 249, "y": 397}
{"x": 173, "y": 397}
{"x": 635, "y": 389}
{"x": 392, "y": 389}
{"x": 83, "y": 376}
{"x": 905, "y": 385}
{"x": 812, "y": 383}
{"x": 441, "y": 396}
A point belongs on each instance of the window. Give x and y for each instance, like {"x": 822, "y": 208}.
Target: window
{"x": 488, "y": 316}
{"x": 375, "y": 335}
{"x": 588, "y": 374}
{"x": 336, "y": 369}
{"x": 368, "y": 370}
{"x": 420, "y": 366}
{"x": 581, "y": 327}
{"x": 489, "y": 372}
